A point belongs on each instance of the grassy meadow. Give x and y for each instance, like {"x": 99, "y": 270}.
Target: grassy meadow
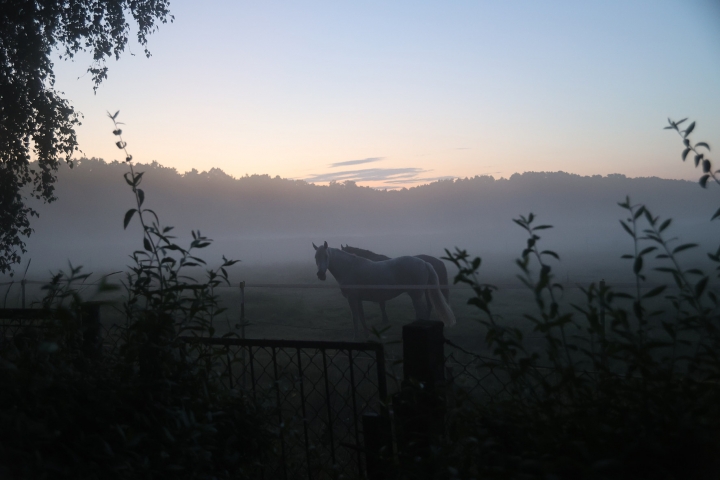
{"x": 313, "y": 313}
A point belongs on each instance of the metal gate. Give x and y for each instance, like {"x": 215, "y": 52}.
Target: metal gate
{"x": 317, "y": 391}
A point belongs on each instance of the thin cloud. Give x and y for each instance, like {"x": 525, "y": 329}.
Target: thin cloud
{"x": 420, "y": 180}
{"x": 369, "y": 175}
{"x": 356, "y": 162}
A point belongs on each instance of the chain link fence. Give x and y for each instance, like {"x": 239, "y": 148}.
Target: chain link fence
{"x": 479, "y": 380}
{"x": 316, "y": 392}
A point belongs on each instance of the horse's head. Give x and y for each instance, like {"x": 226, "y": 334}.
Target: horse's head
{"x": 322, "y": 260}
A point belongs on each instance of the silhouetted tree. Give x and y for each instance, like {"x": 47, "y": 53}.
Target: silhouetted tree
{"x": 34, "y": 117}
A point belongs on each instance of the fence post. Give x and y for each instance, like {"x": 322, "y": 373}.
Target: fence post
{"x": 242, "y": 334}
{"x": 419, "y": 407}
{"x": 92, "y": 337}
{"x": 603, "y": 331}
{"x": 602, "y": 307}
{"x": 377, "y": 433}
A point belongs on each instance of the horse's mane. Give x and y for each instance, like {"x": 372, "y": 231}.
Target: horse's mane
{"x": 360, "y": 252}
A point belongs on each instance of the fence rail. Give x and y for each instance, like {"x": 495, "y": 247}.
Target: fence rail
{"x": 516, "y": 285}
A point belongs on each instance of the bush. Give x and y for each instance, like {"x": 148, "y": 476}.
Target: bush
{"x": 640, "y": 401}
{"x": 151, "y": 408}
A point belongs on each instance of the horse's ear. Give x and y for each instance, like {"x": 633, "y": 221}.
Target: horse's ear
{"x": 314, "y": 246}
{"x": 326, "y": 244}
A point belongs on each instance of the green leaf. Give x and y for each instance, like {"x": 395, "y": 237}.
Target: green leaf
{"x": 655, "y": 291}
{"x": 151, "y": 212}
{"x": 689, "y": 130}
{"x": 684, "y": 247}
{"x": 706, "y": 166}
{"x": 702, "y": 144}
{"x": 137, "y": 179}
{"x": 141, "y": 196}
{"x": 700, "y": 286}
{"x": 681, "y": 121}
{"x": 647, "y": 250}
{"x": 667, "y": 222}
{"x": 147, "y": 244}
{"x": 685, "y": 153}
{"x": 717, "y": 214}
{"x": 627, "y": 229}
{"x": 542, "y": 227}
{"x": 628, "y": 256}
{"x": 703, "y": 180}
{"x": 551, "y": 253}
{"x": 637, "y": 266}
{"x": 128, "y": 216}
{"x": 639, "y": 212}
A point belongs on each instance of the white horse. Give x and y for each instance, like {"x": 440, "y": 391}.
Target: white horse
{"x": 351, "y": 270}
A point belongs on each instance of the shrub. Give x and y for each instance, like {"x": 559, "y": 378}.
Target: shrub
{"x": 640, "y": 401}
{"x": 149, "y": 409}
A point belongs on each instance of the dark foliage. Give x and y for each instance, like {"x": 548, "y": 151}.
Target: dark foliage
{"x": 34, "y": 117}
{"x": 626, "y": 385}
{"x": 152, "y": 406}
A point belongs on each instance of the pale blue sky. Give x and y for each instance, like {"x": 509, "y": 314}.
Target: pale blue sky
{"x": 425, "y": 89}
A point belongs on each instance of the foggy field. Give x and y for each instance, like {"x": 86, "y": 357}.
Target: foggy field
{"x": 270, "y": 224}
{"x": 279, "y": 312}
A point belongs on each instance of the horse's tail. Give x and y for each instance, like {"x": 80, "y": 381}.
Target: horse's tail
{"x": 437, "y": 300}
{"x": 442, "y": 273}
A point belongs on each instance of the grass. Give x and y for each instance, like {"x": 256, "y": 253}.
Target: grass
{"x": 323, "y": 314}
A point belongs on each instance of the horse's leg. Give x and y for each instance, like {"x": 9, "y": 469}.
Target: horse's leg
{"x": 358, "y": 314}
{"x": 421, "y": 310}
{"x": 385, "y": 318}
{"x": 366, "y": 332}
{"x": 361, "y": 310}
{"x": 355, "y": 309}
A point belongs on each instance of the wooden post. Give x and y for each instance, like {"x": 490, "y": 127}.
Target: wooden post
{"x": 242, "y": 334}
{"x": 424, "y": 353}
{"x": 419, "y": 407}
{"x": 603, "y": 331}
{"x": 92, "y": 337}
{"x": 377, "y": 433}
{"x": 602, "y": 307}
{"x": 242, "y": 309}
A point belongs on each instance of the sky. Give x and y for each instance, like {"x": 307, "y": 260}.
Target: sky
{"x": 395, "y": 94}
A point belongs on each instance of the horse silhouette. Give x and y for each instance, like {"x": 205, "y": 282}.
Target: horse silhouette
{"x": 357, "y": 276}
{"x": 436, "y": 263}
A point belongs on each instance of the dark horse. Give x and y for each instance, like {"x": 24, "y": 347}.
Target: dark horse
{"x": 436, "y": 263}
{"x": 352, "y": 271}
